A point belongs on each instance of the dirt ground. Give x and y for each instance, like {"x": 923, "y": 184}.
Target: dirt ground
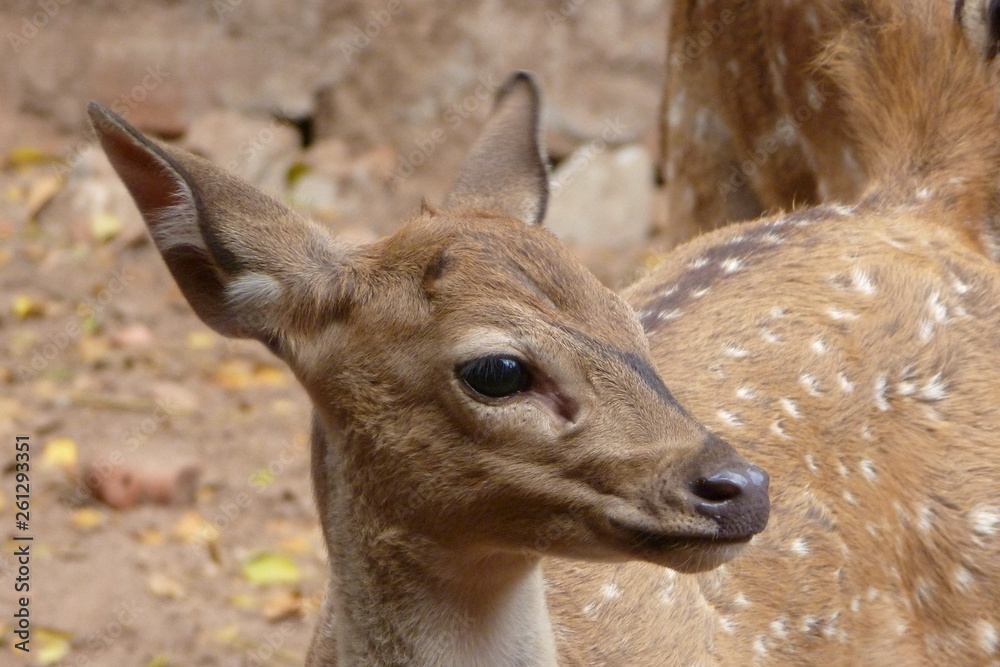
{"x": 104, "y": 366}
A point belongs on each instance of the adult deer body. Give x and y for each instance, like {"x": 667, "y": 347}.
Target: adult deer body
{"x": 752, "y": 123}
{"x": 481, "y": 402}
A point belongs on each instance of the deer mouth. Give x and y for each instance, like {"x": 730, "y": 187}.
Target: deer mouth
{"x": 684, "y": 552}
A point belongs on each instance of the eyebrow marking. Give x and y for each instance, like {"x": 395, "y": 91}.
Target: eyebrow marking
{"x": 635, "y": 362}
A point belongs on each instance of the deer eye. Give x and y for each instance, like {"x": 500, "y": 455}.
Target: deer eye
{"x": 496, "y": 376}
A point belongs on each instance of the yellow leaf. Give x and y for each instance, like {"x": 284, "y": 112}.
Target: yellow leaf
{"x": 234, "y": 374}
{"x": 201, "y": 340}
{"x": 264, "y": 569}
{"x": 192, "y": 527}
{"x": 13, "y": 194}
{"x": 86, "y": 518}
{"x": 295, "y": 545}
{"x": 59, "y": 453}
{"x": 270, "y": 375}
{"x": 227, "y": 634}
{"x": 151, "y": 537}
{"x": 20, "y": 156}
{"x": 52, "y": 645}
{"x": 243, "y": 600}
{"x": 262, "y": 477}
{"x": 158, "y": 660}
{"x": 105, "y": 225}
{"x": 25, "y": 306}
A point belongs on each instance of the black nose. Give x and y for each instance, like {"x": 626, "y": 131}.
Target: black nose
{"x": 736, "y": 497}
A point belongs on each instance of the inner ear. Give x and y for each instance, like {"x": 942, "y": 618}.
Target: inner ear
{"x": 506, "y": 170}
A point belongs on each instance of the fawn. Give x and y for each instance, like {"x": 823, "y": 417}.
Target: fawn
{"x": 751, "y": 122}
{"x": 502, "y": 475}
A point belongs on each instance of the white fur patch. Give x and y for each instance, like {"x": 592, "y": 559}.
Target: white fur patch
{"x": 176, "y": 225}
{"x": 253, "y": 291}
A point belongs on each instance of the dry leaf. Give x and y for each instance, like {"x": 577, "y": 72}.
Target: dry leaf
{"x": 282, "y": 605}
{"x": 243, "y": 600}
{"x": 151, "y": 537}
{"x": 163, "y": 586}
{"x": 52, "y": 645}
{"x": 262, "y": 477}
{"x": 86, "y": 518}
{"x": 192, "y": 527}
{"x": 264, "y": 569}
{"x": 158, "y": 660}
{"x": 22, "y": 156}
{"x": 201, "y": 340}
{"x": 242, "y": 373}
{"x": 41, "y": 192}
{"x": 105, "y": 226}
{"x": 59, "y": 453}
{"x": 25, "y": 306}
{"x": 295, "y": 545}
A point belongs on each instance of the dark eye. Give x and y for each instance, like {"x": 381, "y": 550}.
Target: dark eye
{"x": 496, "y": 376}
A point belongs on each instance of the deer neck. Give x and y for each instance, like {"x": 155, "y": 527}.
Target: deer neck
{"x": 396, "y": 598}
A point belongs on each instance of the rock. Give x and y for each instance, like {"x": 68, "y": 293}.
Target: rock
{"x": 602, "y": 196}
{"x": 259, "y": 150}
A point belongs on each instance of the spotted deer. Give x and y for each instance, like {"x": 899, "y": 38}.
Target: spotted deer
{"x": 502, "y": 475}
{"x": 751, "y": 122}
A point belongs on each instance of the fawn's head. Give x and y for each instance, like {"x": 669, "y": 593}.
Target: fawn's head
{"x": 473, "y": 383}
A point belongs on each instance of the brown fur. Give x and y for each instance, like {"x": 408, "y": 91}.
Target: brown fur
{"x": 752, "y": 123}
{"x": 850, "y": 350}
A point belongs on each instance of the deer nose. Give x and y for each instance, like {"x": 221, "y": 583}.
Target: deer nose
{"x": 736, "y": 497}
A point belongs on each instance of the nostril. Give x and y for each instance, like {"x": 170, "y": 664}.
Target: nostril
{"x": 720, "y": 487}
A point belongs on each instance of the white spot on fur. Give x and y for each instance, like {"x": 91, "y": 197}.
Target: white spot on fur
{"x": 746, "y": 392}
{"x": 924, "y": 516}
{"x": 778, "y": 430}
{"x": 741, "y": 600}
{"x": 735, "y": 351}
{"x": 759, "y": 647}
{"x": 846, "y": 385}
{"x": 731, "y": 265}
{"x": 984, "y": 519}
{"x": 881, "y": 400}
{"x": 938, "y": 310}
{"x": 962, "y": 579}
{"x": 842, "y": 469}
{"x": 667, "y": 315}
{"x": 856, "y": 604}
{"x": 868, "y": 470}
{"x": 866, "y": 432}
{"x": 986, "y": 636}
{"x": 934, "y": 390}
{"x": 800, "y": 547}
{"x": 923, "y": 591}
{"x": 872, "y": 594}
{"x": 698, "y": 293}
{"x": 770, "y": 336}
{"x": 960, "y": 287}
{"x": 811, "y": 464}
{"x": 923, "y": 193}
{"x": 849, "y": 497}
{"x": 779, "y": 312}
{"x": 698, "y": 263}
{"x": 779, "y": 627}
{"x": 727, "y": 625}
{"x": 811, "y": 384}
{"x": 809, "y": 623}
{"x": 791, "y": 407}
{"x": 729, "y": 418}
{"x": 819, "y": 346}
{"x": 862, "y": 282}
{"x": 838, "y": 315}
{"x": 611, "y": 591}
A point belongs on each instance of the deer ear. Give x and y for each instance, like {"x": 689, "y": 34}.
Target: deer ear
{"x": 249, "y": 266}
{"x": 506, "y": 170}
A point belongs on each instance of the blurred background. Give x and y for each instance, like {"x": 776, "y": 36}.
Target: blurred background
{"x": 171, "y": 507}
